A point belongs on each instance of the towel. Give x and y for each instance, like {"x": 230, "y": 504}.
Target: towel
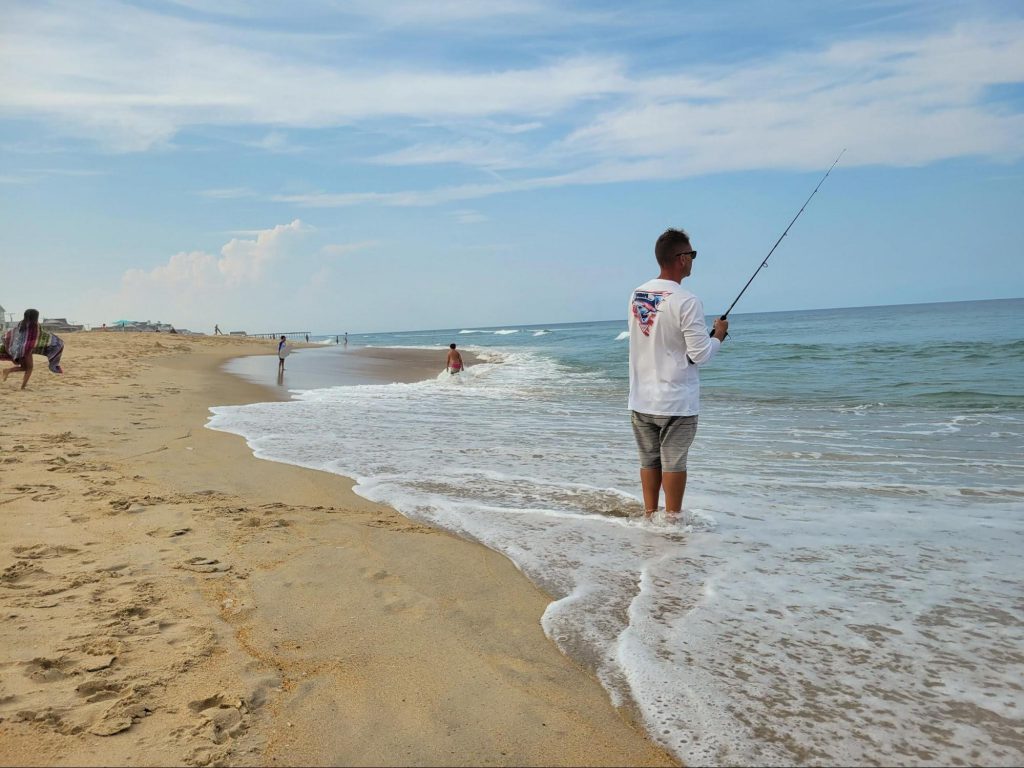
{"x": 32, "y": 340}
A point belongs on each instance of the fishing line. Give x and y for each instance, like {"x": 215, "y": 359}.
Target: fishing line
{"x": 765, "y": 262}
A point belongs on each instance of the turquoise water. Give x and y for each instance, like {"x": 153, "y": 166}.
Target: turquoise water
{"x": 847, "y": 588}
{"x": 949, "y": 354}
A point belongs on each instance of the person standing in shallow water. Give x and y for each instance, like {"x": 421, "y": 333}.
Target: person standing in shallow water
{"x": 282, "y": 353}
{"x": 454, "y": 363}
{"x": 668, "y": 342}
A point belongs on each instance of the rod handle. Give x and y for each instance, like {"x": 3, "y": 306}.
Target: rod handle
{"x": 712, "y": 331}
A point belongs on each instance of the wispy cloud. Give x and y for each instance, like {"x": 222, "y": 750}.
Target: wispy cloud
{"x": 890, "y": 101}
{"x": 339, "y": 250}
{"x": 416, "y": 198}
{"x": 130, "y": 79}
{"x": 490, "y": 155}
{"x": 468, "y": 216}
{"x": 277, "y": 142}
{"x": 441, "y": 12}
{"x": 67, "y": 172}
{"x": 34, "y": 175}
{"x": 226, "y": 193}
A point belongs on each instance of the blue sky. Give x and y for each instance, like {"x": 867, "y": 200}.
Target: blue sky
{"x": 371, "y": 166}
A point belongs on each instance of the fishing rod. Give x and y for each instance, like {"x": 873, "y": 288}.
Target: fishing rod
{"x": 765, "y": 262}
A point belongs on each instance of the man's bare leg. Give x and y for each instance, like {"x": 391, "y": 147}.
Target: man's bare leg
{"x": 650, "y": 481}
{"x": 675, "y": 487}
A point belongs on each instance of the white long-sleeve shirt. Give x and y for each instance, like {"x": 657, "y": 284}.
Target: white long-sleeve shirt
{"x": 668, "y": 341}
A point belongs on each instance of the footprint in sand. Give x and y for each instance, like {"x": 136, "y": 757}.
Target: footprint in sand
{"x": 222, "y": 716}
{"x": 49, "y": 670}
{"x": 42, "y": 492}
{"x": 205, "y": 565}
{"x": 123, "y": 713}
{"x": 22, "y": 575}
{"x": 98, "y": 690}
{"x": 159, "y": 533}
{"x": 41, "y": 551}
{"x": 374, "y": 575}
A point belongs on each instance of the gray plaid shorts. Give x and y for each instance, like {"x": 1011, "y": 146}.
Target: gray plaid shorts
{"x": 664, "y": 441}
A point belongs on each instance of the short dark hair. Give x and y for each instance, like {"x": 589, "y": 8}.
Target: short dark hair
{"x": 452, "y": 346}
{"x": 668, "y": 244}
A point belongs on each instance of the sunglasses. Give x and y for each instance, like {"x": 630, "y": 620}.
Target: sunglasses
{"x": 691, "y": 254}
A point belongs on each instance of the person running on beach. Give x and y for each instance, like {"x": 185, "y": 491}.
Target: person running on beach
{"x": 668, "y": 342}
{"x": 454, "y": 363}
{"x": 282, "y": 353}
{"x": 217, "y": 331}
{"x": 24, "y": 340}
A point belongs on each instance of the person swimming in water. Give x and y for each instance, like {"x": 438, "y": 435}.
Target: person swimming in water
{"x": 454, "y": 363}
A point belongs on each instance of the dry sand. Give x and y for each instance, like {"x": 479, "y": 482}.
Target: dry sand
{"x": 168, "y": 599}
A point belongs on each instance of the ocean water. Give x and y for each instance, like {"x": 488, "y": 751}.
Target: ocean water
{"x": 847, "y": 585}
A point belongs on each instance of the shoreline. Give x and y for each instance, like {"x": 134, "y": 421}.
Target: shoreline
{"x": 322, "y": 367}
{"x": 202, "y": 606}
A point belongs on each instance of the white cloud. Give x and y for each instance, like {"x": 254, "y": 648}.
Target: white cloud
{"x": 197, "y": 272}
{"x": 191, "y": 271}
{"x": 244, "y": 260}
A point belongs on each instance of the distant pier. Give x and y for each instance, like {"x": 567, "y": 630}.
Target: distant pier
{"x": 279, "y": 334}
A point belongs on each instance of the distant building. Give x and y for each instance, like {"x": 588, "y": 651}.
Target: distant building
{"x": 145, "y": 326}
{"x": 59, "y": 325}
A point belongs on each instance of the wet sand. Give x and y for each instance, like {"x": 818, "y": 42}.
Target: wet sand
{"x": 169, "y": 599}
{"x": 333, "y": 366}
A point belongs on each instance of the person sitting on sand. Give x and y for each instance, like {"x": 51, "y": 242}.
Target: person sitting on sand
{"x": 454, "y": 363}
{"x": 282, "y": 353}
{"x": 26, "y": 339}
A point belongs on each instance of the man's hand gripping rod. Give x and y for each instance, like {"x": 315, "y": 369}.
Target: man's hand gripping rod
{"x": 765, "y": 262}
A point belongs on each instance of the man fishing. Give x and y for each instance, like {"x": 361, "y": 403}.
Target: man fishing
{"x": 668, "y": 342}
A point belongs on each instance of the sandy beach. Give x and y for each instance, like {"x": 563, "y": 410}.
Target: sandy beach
{"x": 169, "y": 599}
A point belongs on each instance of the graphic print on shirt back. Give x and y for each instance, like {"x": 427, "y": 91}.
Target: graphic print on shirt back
{"x": 645, "y": 308}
